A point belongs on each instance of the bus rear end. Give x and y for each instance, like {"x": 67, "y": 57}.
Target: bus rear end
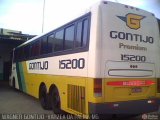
{"x": 128, "y": 61}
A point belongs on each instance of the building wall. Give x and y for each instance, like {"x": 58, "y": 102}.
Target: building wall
{"x": 1, "y": 69}
{"x": 5, "y": 56}
{"x": 9, "y": 39}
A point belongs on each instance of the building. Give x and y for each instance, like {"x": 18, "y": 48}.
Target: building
{"x": 159, "y": 24}
{"x": 9, "y": 39}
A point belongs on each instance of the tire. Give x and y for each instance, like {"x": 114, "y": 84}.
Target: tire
{"x": 55, "y": 101}
{"x": 44, "y": 98}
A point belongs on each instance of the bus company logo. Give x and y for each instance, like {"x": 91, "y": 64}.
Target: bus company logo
{"x": 133, "y": 21}
{"x": 144, "y": 117}
{"x": 150, "y": 117}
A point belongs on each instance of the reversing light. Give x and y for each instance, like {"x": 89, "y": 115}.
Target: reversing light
{"x": 115, "y": 105}
{"x": 97, "y": 87}
{"x": 150, "y": 101}
{"x": 131, "y": 83}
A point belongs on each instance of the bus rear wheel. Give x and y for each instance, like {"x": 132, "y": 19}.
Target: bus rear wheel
{"x": 44, "y": 98}
{"x": 55, "y": 101}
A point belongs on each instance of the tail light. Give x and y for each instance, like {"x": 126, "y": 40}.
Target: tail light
{"x": 158, "y": 85}
{"x": 97, "y": 87}
{"x": 131, "y": 83}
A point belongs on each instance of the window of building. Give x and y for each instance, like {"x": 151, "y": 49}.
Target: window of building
{"x": 69, "y": 37}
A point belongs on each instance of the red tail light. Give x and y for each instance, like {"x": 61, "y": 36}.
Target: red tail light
{"x": 158, "y": 85}
{"x": 131, "y": 83}
{"x": 98, "y": 87}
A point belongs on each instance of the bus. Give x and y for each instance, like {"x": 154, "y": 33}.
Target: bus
{"x": 103, "y": 62}
{"x": 158, "y": 76}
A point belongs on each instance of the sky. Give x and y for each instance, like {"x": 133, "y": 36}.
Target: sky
{"x": 27, "y": 15}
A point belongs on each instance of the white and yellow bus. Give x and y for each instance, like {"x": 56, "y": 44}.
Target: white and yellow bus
{"x": 103, "y": 62}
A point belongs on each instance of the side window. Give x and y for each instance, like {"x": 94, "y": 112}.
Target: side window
{"x": 37, "y": 46}
{"x": 21, "y": 56}
{"x": 16, "y": 54}
{"x": 50, "y": 43}
{"x": 69, "y": 37}
{"x": 78, "y": 42}
{"x": 85, "y": 32}
{"x": 82, "y": 33}
{"x": 32, "y": 50}
{"x": 58, "y": 41}
{"x": 44, "y": 48}
{"x": 26, "y": 51}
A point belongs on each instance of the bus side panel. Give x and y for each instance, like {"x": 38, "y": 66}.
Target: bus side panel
{"x": 72, "y": 91}
{"x": 70, "y": 82}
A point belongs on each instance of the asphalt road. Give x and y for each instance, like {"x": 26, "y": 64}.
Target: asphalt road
{"x": 14, "y": 101}
{"x": 17, "y": 105}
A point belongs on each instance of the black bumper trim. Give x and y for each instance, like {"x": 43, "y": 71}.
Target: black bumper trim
{"x": 127, "y": 107}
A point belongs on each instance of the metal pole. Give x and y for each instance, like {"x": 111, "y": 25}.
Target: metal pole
{"x": 117, "y": 1}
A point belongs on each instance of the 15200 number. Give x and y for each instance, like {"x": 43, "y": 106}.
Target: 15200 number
{"x": 72, "y": 64}
{"x": 138, "y": 58}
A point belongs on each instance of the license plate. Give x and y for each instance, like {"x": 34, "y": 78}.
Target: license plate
{"x": 136, "y": 90}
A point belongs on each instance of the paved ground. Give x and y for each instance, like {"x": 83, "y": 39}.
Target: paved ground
{"x": 13, "y": 101}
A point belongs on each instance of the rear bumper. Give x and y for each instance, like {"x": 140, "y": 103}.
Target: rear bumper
{"x": 127, "y": 107}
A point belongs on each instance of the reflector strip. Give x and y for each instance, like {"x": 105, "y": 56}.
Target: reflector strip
{"x": 131, "y": 83}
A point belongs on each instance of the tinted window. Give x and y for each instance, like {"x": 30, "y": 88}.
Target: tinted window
{"x": 37, "y": 48}
{"x": 16, "y": 54}
{"x": 44, "y": 48}
{"x": 21, "y": 57}
{"x": 32, "y": 50}
{"x": 50, "y": 43}
{"x": 19, "y": 54}
{"x": 85, "y": 32}
{"x": 26, "y": 51}
{"x": 82, "y": 33}
{"x": 58, "y": 41}
{"x": 69, "y": 37}
{"x": 78, "y": 42}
